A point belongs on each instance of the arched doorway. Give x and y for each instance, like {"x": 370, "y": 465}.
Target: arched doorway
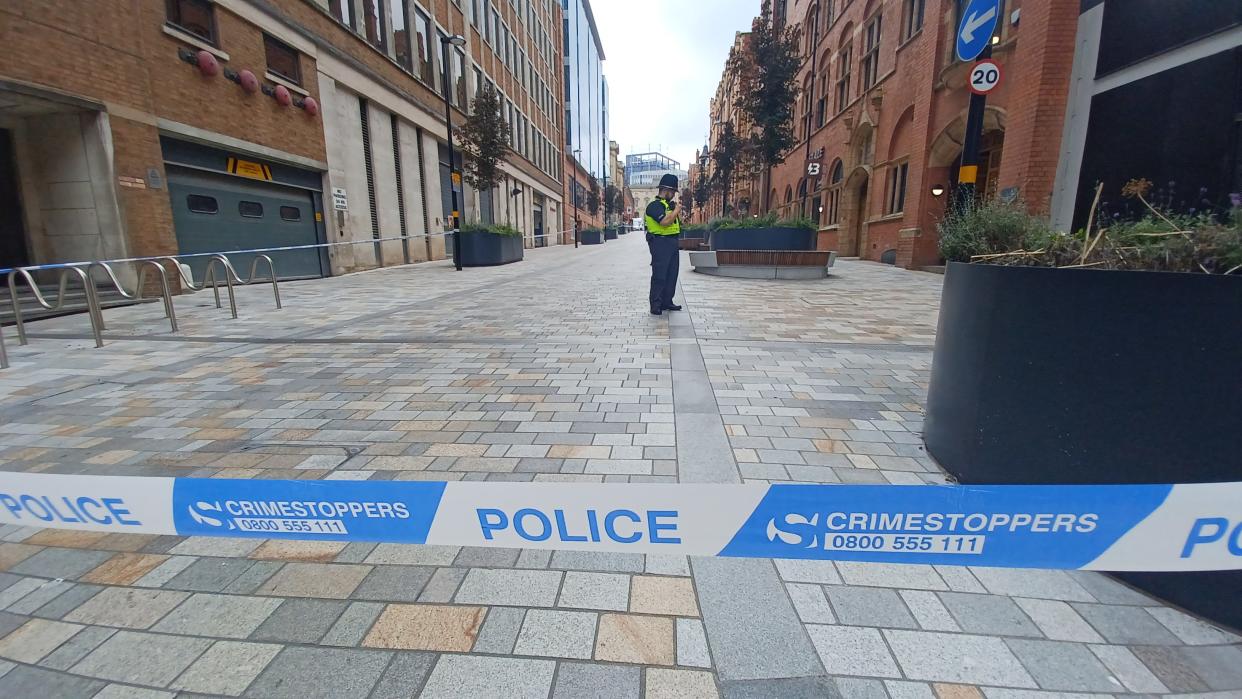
{"x": 946, "y": 152}
{"x": 854, "y": 213}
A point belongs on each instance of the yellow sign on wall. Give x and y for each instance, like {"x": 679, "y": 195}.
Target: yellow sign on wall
{"x": 246, "y": 168}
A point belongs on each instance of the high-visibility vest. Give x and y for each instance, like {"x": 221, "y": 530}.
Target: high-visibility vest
{"x": 654, "y": 227}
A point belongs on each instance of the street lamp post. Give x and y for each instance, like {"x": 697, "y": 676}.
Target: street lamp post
{"x": 455, "y": 40}
{"x": 573, "y": 192}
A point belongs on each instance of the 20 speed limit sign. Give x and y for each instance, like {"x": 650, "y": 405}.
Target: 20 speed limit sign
{"x": 984, "y": 77}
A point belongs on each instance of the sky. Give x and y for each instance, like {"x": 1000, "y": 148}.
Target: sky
{"x": 671, "y": 50}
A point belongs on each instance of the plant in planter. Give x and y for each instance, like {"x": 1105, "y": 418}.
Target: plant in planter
{"x": 1007, "y": 234}
{"x": 484, "y": 245}
{"x": 765, "y": 232}
{"x": 1106, "y": 356}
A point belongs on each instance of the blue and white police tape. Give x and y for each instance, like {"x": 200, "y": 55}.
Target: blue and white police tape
{"x": 1118, "y": 527}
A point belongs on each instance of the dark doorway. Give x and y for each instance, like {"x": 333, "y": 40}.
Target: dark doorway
{"x": 13, "y": 250}
{"x": 540, "y": 241}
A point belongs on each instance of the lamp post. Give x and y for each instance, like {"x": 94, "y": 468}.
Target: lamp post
{"x": 456, "y": 40}
{"x": 573, "y": 192}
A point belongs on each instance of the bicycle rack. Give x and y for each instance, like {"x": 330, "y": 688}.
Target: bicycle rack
{"x": 92, "y": 300}
{"x": 165, "y": 291}
{"x": 218, "y": 267}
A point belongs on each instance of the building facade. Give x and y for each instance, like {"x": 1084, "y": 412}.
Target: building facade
{"x": 643, "y": 172}
{"x": 1180, "y": 66}
{"x": 882, "y": 112}
{"x": 586, "y": 116}
{"x": 741, "y": 194}
{"x": 216, "y": 125}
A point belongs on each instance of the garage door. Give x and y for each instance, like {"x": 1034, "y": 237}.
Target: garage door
{"x": 219, "y": 213}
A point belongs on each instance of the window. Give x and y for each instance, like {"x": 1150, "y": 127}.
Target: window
{"x": 343, "y": 10}
{"x": 193, "y": 16}
{"x": 290, "y": 213}
{"x": 422, "y": 33}
{"x": 474, "y": 13}
{"x": 817, "y": 209}
{"x": 896, "y": 201}
{"x": 401, "y": 33}
{"x": 871, "y": 53}
{"x": 812, "y": 29}
{"x": 200, "y": 204}
{"x": 282, "y": 60}
{"x": 821, "y": 105}
{"x": 496, "y": 28}
{"x": 829, "y": 14}
{"x": 836, "y": 180}
{"x": 808, "y": 99}
{"x": 912, "y": 17}
{"x": 487, "y": 21}
{"x": 459, "y": 77}
{"x": 250, "y": 209}
{"x": 843, "y": 77}
{"x": 373, "y": 24}
{"x": 511, "y": 119}
{"x": 442, "y": 42}
{"x": 478, "y": 81}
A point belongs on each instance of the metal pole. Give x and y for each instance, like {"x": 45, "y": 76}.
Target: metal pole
{"x": 448, "y": 120}
{"x": 574, "y": 193}
{"x": 968, "y": 171}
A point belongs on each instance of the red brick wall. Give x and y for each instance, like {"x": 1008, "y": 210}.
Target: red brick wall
{"x": 919, "y": 75}
{"x": 1041, "y": 69}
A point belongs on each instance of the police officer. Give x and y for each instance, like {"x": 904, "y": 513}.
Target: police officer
{"x": 663, "y": 230}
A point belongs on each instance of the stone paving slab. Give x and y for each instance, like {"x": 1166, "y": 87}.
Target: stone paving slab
{"x": 424, "y": 373}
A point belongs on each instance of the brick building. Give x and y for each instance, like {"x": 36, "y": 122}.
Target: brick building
{"x": 882, "y": 112}
{"x": 153, "y": 127}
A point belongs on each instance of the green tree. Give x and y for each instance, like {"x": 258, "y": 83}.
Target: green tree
{"x": 485, "y": 140}
{"x": 593, "y": 197}
{"x": 687, "y": 203}
{"x": 731, "y": 156}
{"x": 767, "y": 94}
{"x": 702, "y": 190}
{"x": 612, "y": 201}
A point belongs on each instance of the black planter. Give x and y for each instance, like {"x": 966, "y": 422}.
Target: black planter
{"x": 697, "y": 234}
{"x": 1093, "y": 377}
{"x": 486, "y": 249}
{"x": 763, "y": 239}
{"x": 610, "y": 234}
{"x": 590, "y": 237}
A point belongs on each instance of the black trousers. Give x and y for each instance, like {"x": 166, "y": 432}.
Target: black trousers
{"x": 665, "y": 261}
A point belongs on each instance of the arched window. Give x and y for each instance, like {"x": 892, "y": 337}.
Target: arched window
{"x": 836, "y": 181}
{"x": 802, "y": 197}
{"x": 788, "y": 194}
{"x": 812, "y": 28}
{"x": 808, "y": 99}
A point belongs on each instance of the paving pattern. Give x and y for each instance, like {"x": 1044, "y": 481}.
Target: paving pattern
{"x": 548, "y": 370}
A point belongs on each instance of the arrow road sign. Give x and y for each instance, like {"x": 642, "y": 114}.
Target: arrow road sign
{"x": 978, "y": 24}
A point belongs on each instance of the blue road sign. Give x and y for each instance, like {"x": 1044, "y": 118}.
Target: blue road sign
{"x": 978, "y": 24}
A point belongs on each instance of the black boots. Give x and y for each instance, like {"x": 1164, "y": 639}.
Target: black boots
{"x": 672, "y": 307}
{"x": 655, "y": 310}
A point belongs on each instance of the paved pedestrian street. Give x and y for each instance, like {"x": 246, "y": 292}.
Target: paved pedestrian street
{"x": 547, "y": 370}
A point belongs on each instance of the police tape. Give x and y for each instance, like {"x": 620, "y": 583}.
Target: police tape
{"x": 1113, "y": 527}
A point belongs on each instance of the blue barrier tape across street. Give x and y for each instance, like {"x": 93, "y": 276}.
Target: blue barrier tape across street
{"x": 1116, "y": 527}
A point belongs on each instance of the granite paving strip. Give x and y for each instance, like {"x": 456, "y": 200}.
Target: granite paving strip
{"x": 744, "y": 608}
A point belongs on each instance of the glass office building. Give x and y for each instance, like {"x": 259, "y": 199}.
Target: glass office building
{"x": 586, "y": 91}
{"x": 644, "y": 170}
